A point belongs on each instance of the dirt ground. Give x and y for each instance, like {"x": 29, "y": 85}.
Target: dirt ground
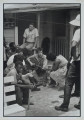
{"x": 46, "y": 99}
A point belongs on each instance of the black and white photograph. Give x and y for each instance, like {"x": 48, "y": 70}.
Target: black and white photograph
{"x": 41, "y": 59}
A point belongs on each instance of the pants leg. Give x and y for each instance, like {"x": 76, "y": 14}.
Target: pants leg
{"x": 19, "y": 95}
{"x": 30, "y": 46}
{"x": 70, "y": 80}
{"x": 77, "y": 86}
{"x": 67, "y": 91}
{"x": 23, "y": 46}
{"x": 77, "y": 81}
{"x": 25, "y": 95}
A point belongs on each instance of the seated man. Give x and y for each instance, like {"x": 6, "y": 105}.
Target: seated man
{"x": 14, "y": 57}
{"x": 40, "y": 62}
{"x": 26, "y": 74}
{"x": 21, "y": 93}
{"x": 59, "y": 69}
{"x": 30, "y": 37}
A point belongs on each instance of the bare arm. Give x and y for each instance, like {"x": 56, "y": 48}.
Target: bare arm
{"x": 29, "y": 59}
{"x": 45, "y": 63}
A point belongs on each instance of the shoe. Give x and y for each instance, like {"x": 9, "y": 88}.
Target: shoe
{"x": 77, "y": 106}
{"x": 61, "y": 108}
{"x": 75, "y": 95}
{"x": 31, "y": 103}
{"x": 36, "y": 89}
{"x": 51, "y": 86}
{"x": 61, "y": 96}
{"x": 26, "y": 103}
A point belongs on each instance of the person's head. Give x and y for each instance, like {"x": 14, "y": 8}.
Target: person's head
{"x": 31, "y": 26}
{"x": 76, "y": 21}
{"x": 39, "y": 52}
{"x": 19, "y": 51}
{"x": 17, "y": 58}
{"x": 19, "y": 67}
{"x": 12, "y": 44}
{"x": 51, "y": 57}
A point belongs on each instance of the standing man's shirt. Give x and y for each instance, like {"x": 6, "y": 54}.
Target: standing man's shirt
{"x": 76, "y": 38}
{"x": 30, "y": 35}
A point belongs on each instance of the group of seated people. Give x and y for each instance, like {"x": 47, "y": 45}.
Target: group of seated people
{"x": 34, "y": 69}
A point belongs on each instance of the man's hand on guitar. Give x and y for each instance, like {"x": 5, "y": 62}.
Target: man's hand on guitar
{"x": 32, "y": 64}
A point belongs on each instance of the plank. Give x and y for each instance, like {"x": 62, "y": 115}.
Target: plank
{"x": 13, "y": 109}
{"x": 8, "y": 79}
{"x": 9, "y": 88}
{"x": 9, "y": 98}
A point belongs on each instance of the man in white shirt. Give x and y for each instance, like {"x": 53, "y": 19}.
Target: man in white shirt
{"x": 30, "y": 37}
{"x": 73, "y": 74}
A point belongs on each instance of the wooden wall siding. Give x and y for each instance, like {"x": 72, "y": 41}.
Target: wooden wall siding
{"x": 60, "y": 46}
{"x": 9, "y": 35}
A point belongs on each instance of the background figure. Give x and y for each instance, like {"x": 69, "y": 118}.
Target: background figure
{"x": 30, "y": 37}
{"x": 12, "y": 45}
{"x": 45, "y": 45}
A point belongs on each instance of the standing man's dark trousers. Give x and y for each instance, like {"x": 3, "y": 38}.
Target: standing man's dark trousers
{"x": 73, "y": 77}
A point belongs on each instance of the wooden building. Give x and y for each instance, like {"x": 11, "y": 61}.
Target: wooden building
{"x": 52, "y": 21}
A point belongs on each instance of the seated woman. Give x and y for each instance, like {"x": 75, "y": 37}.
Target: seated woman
{"x": 59, "y": 69}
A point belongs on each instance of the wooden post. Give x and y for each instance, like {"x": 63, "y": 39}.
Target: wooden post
{"x": 16, "y": 35}
{"x": 38, "y": 26}
{"x": 28, "y": 100}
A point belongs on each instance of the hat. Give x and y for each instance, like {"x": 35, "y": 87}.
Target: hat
{"x": 76, "y": 21}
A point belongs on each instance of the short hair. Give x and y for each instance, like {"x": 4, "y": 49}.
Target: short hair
{"x": 31, "y": 24}
{"x": 51, "y": 57}
{"x": 12, "y": 44}
{"x": 39, "y": 49}
{"x": 18, "y": 63}
{"x": 18, "y": 58}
